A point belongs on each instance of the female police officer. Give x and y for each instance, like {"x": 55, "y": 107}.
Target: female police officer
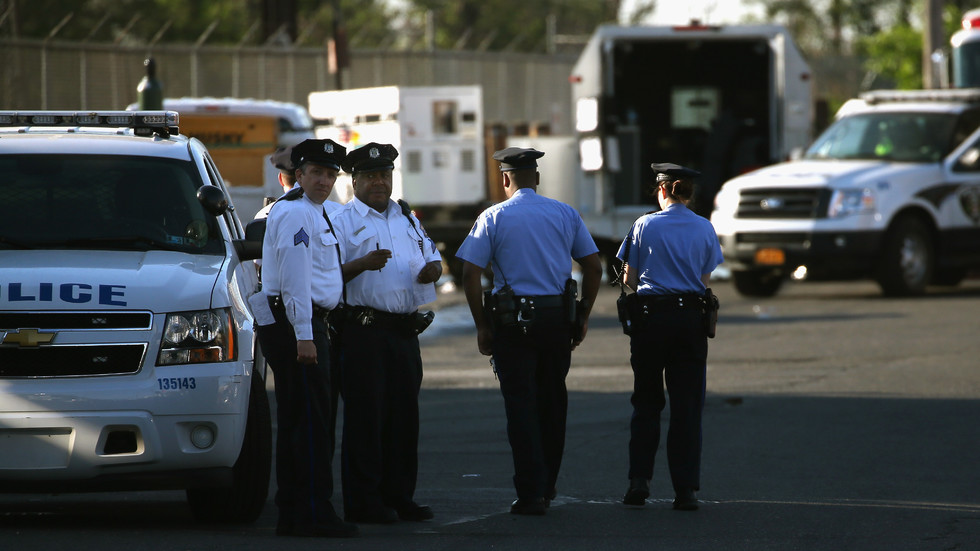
{"x": 668, "y": 257}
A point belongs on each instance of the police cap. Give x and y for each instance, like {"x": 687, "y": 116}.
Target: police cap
{"x": 282, "y": 160}
{"x": 669, "y": 171}
{"x": 371, "y": 157}
{"x": 517, "y": 158}
{"x": 322, "y": 152}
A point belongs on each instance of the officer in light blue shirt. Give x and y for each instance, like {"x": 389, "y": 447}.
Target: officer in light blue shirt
{"x": 530, "y": 241}
{"x": 668, "y": 258}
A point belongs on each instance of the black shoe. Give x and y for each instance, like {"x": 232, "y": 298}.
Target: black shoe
{"x": 551, "y": 495}
{"x": 528, "y": 506}
{"x": 685, "y": 500}
{"x": 332, "y": 529}
{"x": 638, "y": 492}
{"x": 415, "y": 512}
{"x": 374, "y": 515}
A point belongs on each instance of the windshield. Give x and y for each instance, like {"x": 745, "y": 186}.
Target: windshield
{"x": 103, "y": 202}
{"x": 894, "y": 136}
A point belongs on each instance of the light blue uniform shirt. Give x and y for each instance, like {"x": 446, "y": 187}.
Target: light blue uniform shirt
{"x": 531, "y": 241}
{"x": 670, "y": 250}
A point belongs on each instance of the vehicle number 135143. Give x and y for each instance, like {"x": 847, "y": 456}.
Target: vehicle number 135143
{"x": 177, "y": 383}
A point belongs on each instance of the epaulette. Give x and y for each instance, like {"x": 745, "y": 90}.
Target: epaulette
{"x": 406, "y": 211}
{"x": 292, "y": 194}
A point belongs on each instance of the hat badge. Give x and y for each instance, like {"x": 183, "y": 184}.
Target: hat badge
{"x": 328, "y": 147}
{"x": 374, "y": 153}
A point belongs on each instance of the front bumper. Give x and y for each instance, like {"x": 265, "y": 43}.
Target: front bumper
{"x": 827, "y": 255}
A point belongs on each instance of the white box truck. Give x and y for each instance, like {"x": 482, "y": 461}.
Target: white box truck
{"x": 720, "y": 99}
{"x": 438, "y": 131}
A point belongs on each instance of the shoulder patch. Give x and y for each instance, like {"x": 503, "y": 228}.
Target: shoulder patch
{"x": 301, "y": 237}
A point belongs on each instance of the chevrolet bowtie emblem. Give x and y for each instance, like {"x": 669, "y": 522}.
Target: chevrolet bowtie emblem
{"x": 28, "y": 337}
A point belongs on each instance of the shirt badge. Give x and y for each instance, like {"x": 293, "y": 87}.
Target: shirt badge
{"x": 301, "y": 237}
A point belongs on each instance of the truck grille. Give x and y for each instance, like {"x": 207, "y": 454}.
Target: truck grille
{"x": 20, "y": 358}
{"x": 71, "y": 360}
{"x": 783, "y": 203}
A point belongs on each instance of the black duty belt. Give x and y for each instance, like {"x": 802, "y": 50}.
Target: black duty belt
{"x": 687, "y": 300}
{"x": 276, "y": 303}
{"x": 544, "y": 301}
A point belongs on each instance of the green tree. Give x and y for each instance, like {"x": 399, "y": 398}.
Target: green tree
{"x": 514, "y": 24}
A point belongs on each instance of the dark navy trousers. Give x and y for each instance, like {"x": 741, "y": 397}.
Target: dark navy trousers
{"x": 668, "y": 345}
{"x": 381, "y": 376}
{"x": 532, "y": 368}
{"x": 304, "y": 437}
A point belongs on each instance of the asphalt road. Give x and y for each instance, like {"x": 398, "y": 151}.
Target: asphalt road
{"x": 836, "y": 419}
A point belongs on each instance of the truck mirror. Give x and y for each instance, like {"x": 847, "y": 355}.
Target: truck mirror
{"x": 213, "y": 199}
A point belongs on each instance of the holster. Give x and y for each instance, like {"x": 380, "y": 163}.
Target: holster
{"x": 624, "y": 306}
{"x": 500, "y": 308}
{"x": 711, "y": 306}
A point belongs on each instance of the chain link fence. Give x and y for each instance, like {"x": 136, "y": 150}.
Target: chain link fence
{"x": 517, "y": 88}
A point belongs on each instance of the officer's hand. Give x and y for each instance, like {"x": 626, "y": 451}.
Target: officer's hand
{"x": 430, "y": 273}
{"x": 375, "y": 260}
{"x": 577, "y": 340}
{"x": 305, "y": 352}
{"x": 484, "y": 340}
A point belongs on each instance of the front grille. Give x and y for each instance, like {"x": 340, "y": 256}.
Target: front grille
{"x": 783, "y": 203}
{"x": 71, "y": 360}
{"x": 75, "y": 320}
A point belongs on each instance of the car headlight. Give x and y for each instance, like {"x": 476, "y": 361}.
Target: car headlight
{"x": 845, "y": 202}
{"x": 203, "y": 336}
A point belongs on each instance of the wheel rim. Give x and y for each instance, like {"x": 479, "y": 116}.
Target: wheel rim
{"x": 912, "y": 259}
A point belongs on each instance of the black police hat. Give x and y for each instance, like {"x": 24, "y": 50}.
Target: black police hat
{"x": 517, "y": 158}
{"x": 322, "y": 152}
{"x": 370, "y": 157}
{"x": 282, "y": 160}
{"x": 670, "y": 171}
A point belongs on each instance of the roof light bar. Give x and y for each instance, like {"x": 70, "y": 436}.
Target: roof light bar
{"x": 166, "y": 121}
{"x": 971, "y": 95}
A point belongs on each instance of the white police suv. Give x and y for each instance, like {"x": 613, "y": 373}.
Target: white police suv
{"x": 127, "y": 356}
{"x": 890, "y": 191}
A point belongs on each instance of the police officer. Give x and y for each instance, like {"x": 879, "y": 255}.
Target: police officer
{"x": 529, "y": 241}
{"x": 287, "y": 177}
{"x": 302, "y": 280}
{"x": 393, "y": 274}
{"x": 668, "y": 257}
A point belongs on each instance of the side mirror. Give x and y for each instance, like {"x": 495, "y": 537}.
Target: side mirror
{"x": 250, "y": 248}
{"x": 213, "y": 199}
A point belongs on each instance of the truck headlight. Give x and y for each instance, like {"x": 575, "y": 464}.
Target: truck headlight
{"x": 202, "y": 336}
{"x": 726, "y": 201}
{"x": 845, "y": 202}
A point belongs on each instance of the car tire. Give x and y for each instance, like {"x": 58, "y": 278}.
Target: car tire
{"x": 242, "y": 503}
{"x": 906, "y": 263}
{"x": 757, "y": 283}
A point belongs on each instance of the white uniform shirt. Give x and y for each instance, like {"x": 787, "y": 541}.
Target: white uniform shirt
{"x": 300, "y": 262}
{"x": 361, "y": 229}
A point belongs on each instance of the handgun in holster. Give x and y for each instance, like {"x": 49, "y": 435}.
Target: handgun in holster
{"x": 623, "y": 309}
{"x": 711, "y": 306}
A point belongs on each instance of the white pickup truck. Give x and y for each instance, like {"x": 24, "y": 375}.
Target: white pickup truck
{"x": 890, "y": 191}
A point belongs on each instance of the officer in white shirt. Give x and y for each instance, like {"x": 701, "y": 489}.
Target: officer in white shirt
{"x": 302, "y": 281}
{"x": 396, "y": 267}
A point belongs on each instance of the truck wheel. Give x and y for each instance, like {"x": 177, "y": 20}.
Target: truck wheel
{"x": 905, "y": 267}
{"x": 757, "y": 283}
{"x": 242, "y": 503}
